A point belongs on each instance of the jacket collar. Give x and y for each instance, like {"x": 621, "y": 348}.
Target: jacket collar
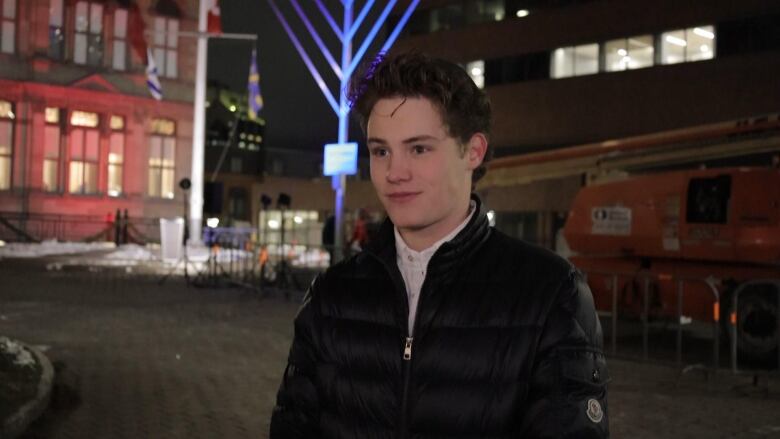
{"x": 450, "y": 253}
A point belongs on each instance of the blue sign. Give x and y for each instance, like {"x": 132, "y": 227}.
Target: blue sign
{"x": 340, "y": 158}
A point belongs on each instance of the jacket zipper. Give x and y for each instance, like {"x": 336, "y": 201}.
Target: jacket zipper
{"x": 406, "y": 357}
{"x": 407, "y": 362}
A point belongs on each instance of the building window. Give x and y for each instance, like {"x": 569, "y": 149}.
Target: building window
{"x": 120, "y": 40}
{"x": 88, "y": 43}
{"x": 692, "y": 44}
{"x": 166, "y": 43}
{"x": 484, "y": 11}
{"x": 476, "y": 70}
{"x": 447, "y": 17}
{"x": 6, "y": 143}
{"x": 575, "y": 61}
{"x": 56, "y": 30}
{"x": 8, "y": 26}
{"x": 116, "y": 154}
{"x": 238, "y": 204}
{"x": 84, "y": 145}
{"x": 235, "y": 165}
{"x": 161, "y": 158}
{"x": 277, "y": 166}
{"x": 629, "y": 53}
{"x": 52, "y": 144}
{"x": 526, "y": 67}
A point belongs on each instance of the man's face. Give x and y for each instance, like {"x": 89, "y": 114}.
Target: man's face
{"x": 421, "y": 174}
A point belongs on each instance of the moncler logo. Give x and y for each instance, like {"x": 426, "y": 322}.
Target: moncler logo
{"x": 594, "y": 411}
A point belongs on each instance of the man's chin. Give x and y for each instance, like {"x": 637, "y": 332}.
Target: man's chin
{"x": 407, "y": 223}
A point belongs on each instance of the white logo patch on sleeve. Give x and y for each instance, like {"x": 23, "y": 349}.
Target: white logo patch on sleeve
{"x": 594, "y": 411}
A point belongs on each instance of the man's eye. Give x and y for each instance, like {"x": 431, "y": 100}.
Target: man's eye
{"x": 379, "y": 152}
{"x": 419, "y": 149}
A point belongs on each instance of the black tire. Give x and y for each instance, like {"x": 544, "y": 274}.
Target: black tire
{"x": 757, "y": 326}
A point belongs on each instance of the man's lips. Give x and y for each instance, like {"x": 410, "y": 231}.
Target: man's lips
{"x": 401, "y": 197}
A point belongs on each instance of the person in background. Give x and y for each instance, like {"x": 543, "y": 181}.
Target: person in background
{"x": 329, "y": 236}
{"x": 359, "y": 232}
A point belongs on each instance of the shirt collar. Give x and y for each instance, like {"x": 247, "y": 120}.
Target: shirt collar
{"x": 402, "y": 249}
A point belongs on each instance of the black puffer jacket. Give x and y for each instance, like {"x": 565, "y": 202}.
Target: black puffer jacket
{"x": 506, "y": 345}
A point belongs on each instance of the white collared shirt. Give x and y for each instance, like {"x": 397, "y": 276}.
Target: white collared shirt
{"x": 414, "y": 265}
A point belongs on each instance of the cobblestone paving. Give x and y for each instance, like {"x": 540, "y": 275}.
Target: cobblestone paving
{"x": 138, "y": 360}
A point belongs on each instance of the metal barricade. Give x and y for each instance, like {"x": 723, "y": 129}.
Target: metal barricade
{"x": 646, "y": 279}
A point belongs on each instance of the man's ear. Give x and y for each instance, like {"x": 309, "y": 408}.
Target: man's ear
{"x": 476, "y": 149}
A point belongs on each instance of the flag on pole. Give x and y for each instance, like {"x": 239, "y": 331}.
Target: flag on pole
{"x": 255, "y": 98}
{"x": 214, "y": 23}
{"x": 152, "y": 78}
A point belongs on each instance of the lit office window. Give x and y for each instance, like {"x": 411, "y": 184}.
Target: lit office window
{"x": 629, "y": 53}
{"x": 162, "y": 149}
{"x": 165, "y": 127}
{"x": 6, "y": 143}
{"x": 84, "y": 147}
{"x": 476, "y": 69}
{"x": 120, "y": 40}
{"x": 575, "y": 61}
{"x": 84, "y": 119}
{"x": 116, "y": 153}
{"x": 88, "y": 37}
{"x": 8, "y": 26}
{"x": 56, "y": 30}
{"x": 701, "y": 43}
{"x": 301, "y": 226}
{"x": 166, "y": 43}
{"x": 52, "y": 139}
{"x": 482, "y": 11}
{"x": 692, "y": 44}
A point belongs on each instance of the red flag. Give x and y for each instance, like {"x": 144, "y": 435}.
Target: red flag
{"x": 136, "y": 28}
{"x": 214, "y": 25}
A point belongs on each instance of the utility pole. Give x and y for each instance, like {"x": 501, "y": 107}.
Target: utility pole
{"x": 199, "y": 117}
{"x": 199, "y": 128}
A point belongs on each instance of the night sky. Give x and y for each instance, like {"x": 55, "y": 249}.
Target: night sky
{"x": 296, "y": 112}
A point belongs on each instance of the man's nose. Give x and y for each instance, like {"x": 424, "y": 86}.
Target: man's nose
{"x": 398, "y": 169}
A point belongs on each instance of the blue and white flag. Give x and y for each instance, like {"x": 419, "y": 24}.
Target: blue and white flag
{"x": 152, "y": 78}
{"x": 255, "y": 98}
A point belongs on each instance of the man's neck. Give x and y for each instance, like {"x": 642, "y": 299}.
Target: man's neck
{"x": 423, "y": 238}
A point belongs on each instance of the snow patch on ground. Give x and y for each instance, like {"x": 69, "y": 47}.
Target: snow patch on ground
{"x": 132, "y": 252}
{"x": 50, "y": 247}
{"x": 22, "y": 357}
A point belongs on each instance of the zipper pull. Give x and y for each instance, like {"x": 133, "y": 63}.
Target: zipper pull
{"x": 408, "y": 349}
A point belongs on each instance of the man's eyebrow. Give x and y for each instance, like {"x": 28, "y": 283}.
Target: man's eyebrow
{"x": 414, "y": 139}
{"x": 421, "y": 138}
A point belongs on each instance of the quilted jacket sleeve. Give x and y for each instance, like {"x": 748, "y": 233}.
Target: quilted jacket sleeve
{"x": 568, "y": 389}
{"x": 296, "y": 414}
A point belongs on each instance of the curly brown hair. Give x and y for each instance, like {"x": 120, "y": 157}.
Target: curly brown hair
{"x": 465, "y": 109}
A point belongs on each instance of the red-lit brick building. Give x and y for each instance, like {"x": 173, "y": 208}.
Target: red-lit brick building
{"x": 80, "y": 134}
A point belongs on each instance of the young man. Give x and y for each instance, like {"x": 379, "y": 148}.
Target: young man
{"x": 443, "y": 327}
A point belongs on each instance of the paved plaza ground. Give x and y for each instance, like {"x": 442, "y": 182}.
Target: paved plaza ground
{"x": 139, "y": 360}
